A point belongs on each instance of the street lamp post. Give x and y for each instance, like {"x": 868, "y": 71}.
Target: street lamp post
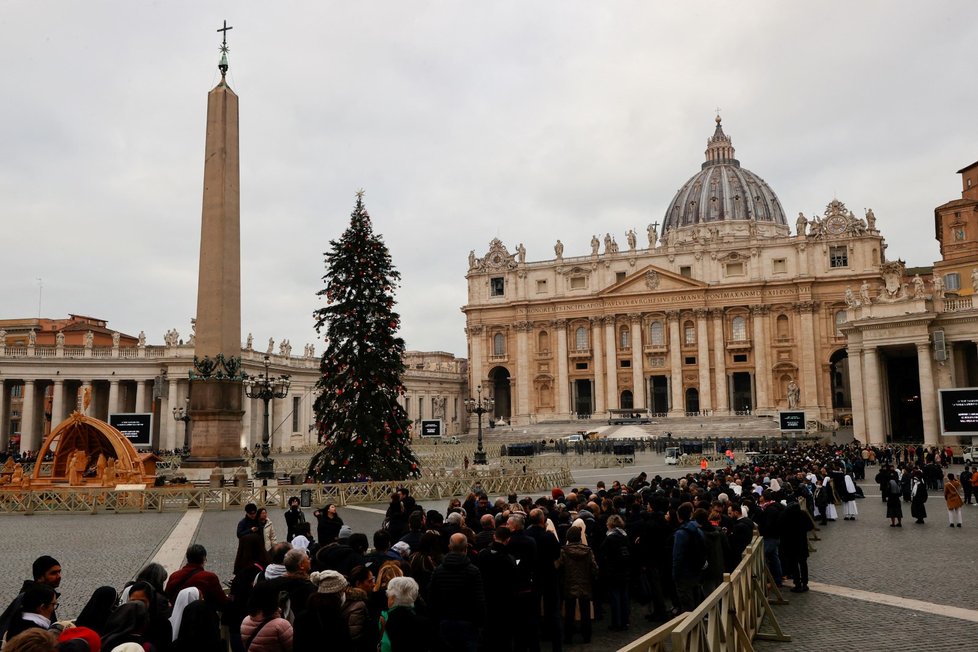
{"x": 183, "y": 414}
{"x": 265, "y": 388}
{"x": 479, "y": 406}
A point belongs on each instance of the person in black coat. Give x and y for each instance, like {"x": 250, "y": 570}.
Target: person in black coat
{"x": 616, "y": 564}
{"x": 498, "y": 570}
{"x": 795, "y": 526}
{"x": 329, "y": 524}
{"x": 545, "y": 574}
{"x": 918, "y": 498}
{"x": 456, "y": 599}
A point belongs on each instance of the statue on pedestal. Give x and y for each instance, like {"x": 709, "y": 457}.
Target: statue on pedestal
{"x": 595, "y": 245}
{"x": 918, "y": 287}
{"x": 31, "y": 338}
{"x": 801, "y": 225}
{"x": 521, "y": 253}
{"x": 249, "y": 342}
{"x": 631, "y": 239}
{"x": 974, "y": 279}
{"x": 864, "y": 294}
{"x": 794, "y": 394}
{"x": 559, "y": 249}
{"x": 115, "y": 340}
{"x": 653, "y": 232}
{"x": 59, "y": 339}
{"x": 271, "y": 346}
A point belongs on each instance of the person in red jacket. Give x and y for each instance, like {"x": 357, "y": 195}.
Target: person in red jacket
{"x": 193, "y": 574}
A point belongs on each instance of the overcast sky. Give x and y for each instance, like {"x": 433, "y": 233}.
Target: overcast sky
{"x": 463, "y": 121}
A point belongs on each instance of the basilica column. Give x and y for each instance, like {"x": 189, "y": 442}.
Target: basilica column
{"x": 719, "y": 362}
{"x": 563, "y": 384}
{"x": 928, "y": 394}
{"x": 28, "y": 439}
{"x": 522, "y": 371}
{"x": 874, "y": 399}
{"x": 611, "y": 360}
{"x": 596, "y": 350}
{"x": 475, "y": 352}
{"x": 703, "y": 359}
{"x": 854, "y": 361}
{"x": 639, "y": 391}
{"x": 57, "y": 402}
{"x": 113, "y": 395}
{"x": 809, "y": 382}
{"x": 675, "y": 363}
{"x": 762, "y": 370}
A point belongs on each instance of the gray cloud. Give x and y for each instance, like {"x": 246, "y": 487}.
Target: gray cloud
{"x": 463, "y": 122}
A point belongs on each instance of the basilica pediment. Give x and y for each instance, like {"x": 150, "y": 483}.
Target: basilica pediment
{"x": 652, "y": 279}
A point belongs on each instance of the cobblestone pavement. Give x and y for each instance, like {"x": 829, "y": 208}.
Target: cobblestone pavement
{"x": 94, "y": 550}
{"x": 930, "y": 563}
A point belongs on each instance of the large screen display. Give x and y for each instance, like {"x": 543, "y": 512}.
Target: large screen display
{"x": 959, "y": 411}
{"x": 792, "y": 421}
{"x": 136, "y": 426}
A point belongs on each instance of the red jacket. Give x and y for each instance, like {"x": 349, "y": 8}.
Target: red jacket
{"x": 203, "y": 580}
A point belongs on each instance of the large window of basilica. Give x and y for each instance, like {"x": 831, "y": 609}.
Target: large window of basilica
{"x": 580, "y": 339}
{"x": 657, "y": 334}
{"x": 738, "y": 329}
{"x": 689, "y": 333}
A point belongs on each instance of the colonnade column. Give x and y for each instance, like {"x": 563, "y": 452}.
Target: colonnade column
{"x": 762, "y": 371}
{"x": 563, "y": 387}
{"x": 675, "y": 364}
{"x": 113, "y": 395}
{"x": 522, "y": 371}
{"x": 719, "y": 361}
{"x": 4, "y": 421}
{"x": 874, "y": 402}
{"x": 928, "y": 394}
{"x": 809, "y": 382}
{"x": 855, "y": 362}
{"x": 611, "y": 360}
{"x": 57, "y": 402}
{"x": 141, "y": 395}
{"x": 598, "y": 365}
{"x": 638, "y": 368}
{"x": 28, "y": 439}
{"x": 166, "y": 416}
{"x": 703, "y": 359}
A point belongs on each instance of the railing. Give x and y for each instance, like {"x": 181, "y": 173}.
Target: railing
{"x": 44, "y": 352}
{"x": 160, "y": 499}
{"x": 958, "y": 304}
{"x": 74, "y": 352}
{"x": 729, "y": 619}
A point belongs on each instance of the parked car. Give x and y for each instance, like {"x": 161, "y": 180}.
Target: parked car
{"x": 970, "y": 454}
{"x": 451, "y": 440}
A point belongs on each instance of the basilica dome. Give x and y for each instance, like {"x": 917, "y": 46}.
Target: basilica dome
{"x": 722, "y": 191}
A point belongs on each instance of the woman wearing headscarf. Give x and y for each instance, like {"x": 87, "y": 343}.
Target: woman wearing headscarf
{"x": 185, "y": 597}
{"x": 98, "y": 609}
{"x": 158, "y": 607}
{"x": 129, "y": 623}
{"x": 918, "y": 497}
{"x": 200, "y": 628}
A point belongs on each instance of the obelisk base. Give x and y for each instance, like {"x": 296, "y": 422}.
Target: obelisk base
{"x": 215, "y": 424}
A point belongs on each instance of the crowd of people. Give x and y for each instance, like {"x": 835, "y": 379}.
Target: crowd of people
{"x": 509, "y": 573}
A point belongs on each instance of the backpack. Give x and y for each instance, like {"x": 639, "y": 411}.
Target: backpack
{"x": 285, "y": 605}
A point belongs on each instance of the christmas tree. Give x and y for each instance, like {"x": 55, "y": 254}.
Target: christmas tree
{"x": 362, "y": 427}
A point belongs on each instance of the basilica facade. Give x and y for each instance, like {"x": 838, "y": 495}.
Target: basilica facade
{"x": 732, "y": 309}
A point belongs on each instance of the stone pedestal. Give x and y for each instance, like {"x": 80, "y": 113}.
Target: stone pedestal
{"x": 215, "y": 421}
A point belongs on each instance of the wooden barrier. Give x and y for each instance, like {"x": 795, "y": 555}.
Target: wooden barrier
{"x": 729, "y": 619}
{"x": 160, "y": 499}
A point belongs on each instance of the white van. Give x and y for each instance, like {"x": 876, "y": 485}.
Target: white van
{"x": 672, "y": 455}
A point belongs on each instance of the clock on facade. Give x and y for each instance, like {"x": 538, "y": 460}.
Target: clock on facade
{"x": 836, "y": 224}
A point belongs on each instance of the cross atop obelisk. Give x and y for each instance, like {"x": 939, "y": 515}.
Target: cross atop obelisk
{"x": 223, "y": 65}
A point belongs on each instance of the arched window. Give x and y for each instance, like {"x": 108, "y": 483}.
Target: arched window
{"x": 657, "y": 334}
{"x": 784, "y": 332}
{"x": 580, "y": 338}
{"x": 624, "y": 338}
{"x": 738, "y": 329}
{"x": 840, "y": 318}
{"x": 689, "y": 333}
{"x": 543, "y": 341}
{"x": 499, "y": 344}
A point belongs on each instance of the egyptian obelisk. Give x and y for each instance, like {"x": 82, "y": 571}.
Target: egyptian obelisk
{"x": 216, "y": 392}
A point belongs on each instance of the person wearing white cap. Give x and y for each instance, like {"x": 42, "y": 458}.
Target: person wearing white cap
{"x": 323, "y": 619}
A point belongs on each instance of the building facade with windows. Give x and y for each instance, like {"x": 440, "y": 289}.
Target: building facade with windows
{"x": 44, "y": 377}
{"x": 730, "y": 311}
